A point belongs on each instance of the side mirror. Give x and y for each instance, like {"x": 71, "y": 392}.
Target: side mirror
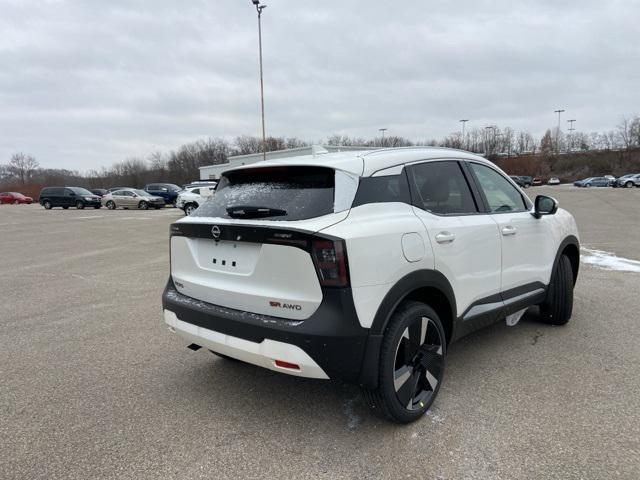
{"x": 544, "y": 205}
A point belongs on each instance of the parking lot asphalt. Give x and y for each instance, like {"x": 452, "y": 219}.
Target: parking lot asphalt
{"x": 94, "y": 386}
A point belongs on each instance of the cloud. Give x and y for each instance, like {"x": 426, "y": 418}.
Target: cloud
{"x": 86, "y": 83}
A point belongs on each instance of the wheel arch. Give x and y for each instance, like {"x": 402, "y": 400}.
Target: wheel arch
{"x": 427, "y": 286}
{"x": 570, "y": 247}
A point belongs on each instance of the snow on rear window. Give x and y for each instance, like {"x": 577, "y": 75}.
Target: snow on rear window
{"x": 302, "y": 192}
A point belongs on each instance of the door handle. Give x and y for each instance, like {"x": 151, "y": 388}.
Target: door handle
{"x": 509, "y": 230}
{"x": 445, "y": 237}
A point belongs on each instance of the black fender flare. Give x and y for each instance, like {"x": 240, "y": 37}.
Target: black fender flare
{"x": 396, "y": 295}
{"x": 569, "y": 240}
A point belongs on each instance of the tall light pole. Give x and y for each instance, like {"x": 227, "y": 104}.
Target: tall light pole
{"x": 259, "y": 9}
{"x": 486, "y": 152}
{"x": 571, "y": 129}
{"x": 382, "y": 130}
{"x": 559, "y": 112}
{"x": 463, "y": 121}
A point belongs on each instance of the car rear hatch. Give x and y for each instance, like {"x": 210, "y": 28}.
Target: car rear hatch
{"x": 255, "y": 246}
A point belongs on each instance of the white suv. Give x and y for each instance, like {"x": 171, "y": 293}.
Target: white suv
{"x": 192, "y": 197}
{"x": 365, "y": 266}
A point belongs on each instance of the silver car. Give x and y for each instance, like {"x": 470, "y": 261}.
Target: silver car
{"x": 132, "y": 198}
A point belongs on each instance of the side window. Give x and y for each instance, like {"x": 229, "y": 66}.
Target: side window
{"x": 196, "y": 191}
{"x": 388, "y": 188}
{"x": 441, "y": 188}
{"x": 152, "y": 188}
{"x": 68, "y": 193}
{"x": 501, "y": 195}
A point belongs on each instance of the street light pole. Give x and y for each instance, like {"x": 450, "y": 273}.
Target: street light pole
{"x": 463, "y": 121}
{"x": 571, "y": 129}
{"x": 559, "y": 112}
{"x": 259, "y": 9}
{"x": 486, "y": 152}
{"x": 382, "y": 130}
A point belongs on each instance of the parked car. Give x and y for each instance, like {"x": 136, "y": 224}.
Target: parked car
{"x": 168, "y": 191}
{"x": 592, "y": 182}
{"x": 536, "y": 181}
{"x": 115, "y": 189}
{"x": 192, "y": 197}
{"x": 14, "y": 198}
{"x": 101, "y": 192}
{"x": 527, "y": 181}
{"x": 66, "y": 197}
{"x": 132, "y": 198}
{"x": 518, "y": 180}
{"x": 201, "y": 183}
{"x": 554, "y": 181}
{"x": 628, "y": 181}
{"x": 365, "y": 267}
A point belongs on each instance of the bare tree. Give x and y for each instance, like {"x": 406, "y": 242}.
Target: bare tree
{"x": 22, "y": 166}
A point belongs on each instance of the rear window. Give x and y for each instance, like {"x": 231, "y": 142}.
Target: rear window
{"x": 280, "y": 193}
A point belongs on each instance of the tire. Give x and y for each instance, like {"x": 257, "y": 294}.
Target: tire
{"x": 79, "y": 205}
{"x": 16, "y": 202}
{"x": 189, "y": 208}
{"x": 66, "y": 208}
{"x": 97, "y": 207}
{"x": 111, "y": 205}
{"x": 587, "y": 185}
{"x": 411, "y": 364}
{"x": 174, "y": 204}
{"x": 558, "y": 306}
{"x": 47, "y": 205}
{"x": 628, "y": 184}
{"x": 143, "y": 205}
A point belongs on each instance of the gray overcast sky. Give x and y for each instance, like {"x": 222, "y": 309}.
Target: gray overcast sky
{"x": 87, "y": 83}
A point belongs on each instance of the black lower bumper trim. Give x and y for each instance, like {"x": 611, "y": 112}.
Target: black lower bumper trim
{"x": 332, "y": 336}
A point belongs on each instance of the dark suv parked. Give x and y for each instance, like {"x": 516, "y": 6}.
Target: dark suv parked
{"x": 66, "y": 197}
{"x": 168, "y": 191}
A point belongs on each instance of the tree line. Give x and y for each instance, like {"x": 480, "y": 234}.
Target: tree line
{"x": 182, "y": 165}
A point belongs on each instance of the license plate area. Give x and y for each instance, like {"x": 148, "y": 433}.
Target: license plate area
{"x": 225, "y": 256}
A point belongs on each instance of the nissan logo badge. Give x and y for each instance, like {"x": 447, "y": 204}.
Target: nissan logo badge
{"x": 215, "y": 231}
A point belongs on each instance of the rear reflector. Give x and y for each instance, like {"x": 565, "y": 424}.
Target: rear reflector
{"x": 283, "y": 364}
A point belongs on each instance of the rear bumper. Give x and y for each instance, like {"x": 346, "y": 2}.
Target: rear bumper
{"x": 329, "y": 344}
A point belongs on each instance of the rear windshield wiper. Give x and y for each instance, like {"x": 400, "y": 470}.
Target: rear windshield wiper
{"x": 249, "y": 211}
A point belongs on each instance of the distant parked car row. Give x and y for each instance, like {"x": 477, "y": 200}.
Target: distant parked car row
{"x": 14, "y": 198}
{"x": 626, "y": 181}
{"x": 154, "y": 195}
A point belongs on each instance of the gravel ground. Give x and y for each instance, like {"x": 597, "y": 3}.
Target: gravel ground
{"x": 93, "y": 385}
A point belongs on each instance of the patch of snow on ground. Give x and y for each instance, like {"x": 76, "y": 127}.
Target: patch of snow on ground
{"x": 608, "y": 260}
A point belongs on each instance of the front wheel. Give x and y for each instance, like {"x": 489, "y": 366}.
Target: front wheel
{"x": 628, "y": 184}
{"x": 143, "y": 205}
{"x": 411, "y": 364}
{"x": 111, "y": 205}
{"x": 558, "y": 306}
{"x": 47, "y": 205}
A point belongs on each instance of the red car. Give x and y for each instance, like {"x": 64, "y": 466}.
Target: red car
{"x": 14, "y": 197}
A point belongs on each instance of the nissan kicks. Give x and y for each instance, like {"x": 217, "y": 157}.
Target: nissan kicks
{"x": 365, "y": 266}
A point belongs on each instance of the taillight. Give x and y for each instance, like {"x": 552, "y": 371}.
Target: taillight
{"x": 329, "y": 259}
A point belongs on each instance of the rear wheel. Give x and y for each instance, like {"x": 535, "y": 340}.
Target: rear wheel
{"x": 47, "y": 205}
{"x": 412, "y": 360}
{"x": 79, "y": 205}
{"x": 558, "y": 306}
{"x": 143, "y": 205}
{"x": 189, "y": 208}
{"x": 66, "y": 208}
